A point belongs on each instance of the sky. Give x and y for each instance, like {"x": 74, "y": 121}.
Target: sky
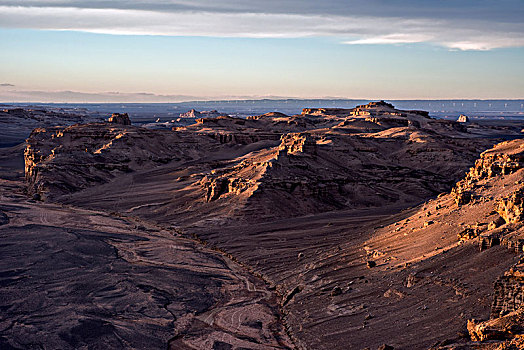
{"x": 175, "y": 50}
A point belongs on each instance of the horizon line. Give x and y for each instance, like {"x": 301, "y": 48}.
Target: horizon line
{"x": 267, "y": 99}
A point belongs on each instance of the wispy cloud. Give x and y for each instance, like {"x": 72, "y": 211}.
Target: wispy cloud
{"x": 399, "y": 38}
{"x": 6, "y": 85}
{"x": 477, "y": 29}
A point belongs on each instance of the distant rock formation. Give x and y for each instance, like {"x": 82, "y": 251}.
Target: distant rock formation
{"x": 16, "y": 124}
{"x": 463, "y": 119}
{"x": 268, "y": 115}
{"x": 321, "y": 161}
{"x": 326, "y": 111}
{"x": 372, "y": 109}
{"x": 118, "y": 118}
{"x": 17, "y": 112}
{"x": 218, "y": 119}
{"x": 375, "y": 104}
{"x": 194, "y": 114}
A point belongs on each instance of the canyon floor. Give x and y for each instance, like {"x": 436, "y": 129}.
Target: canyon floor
{"x": 333, "y": 229}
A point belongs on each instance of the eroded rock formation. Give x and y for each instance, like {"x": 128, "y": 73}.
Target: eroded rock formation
{"x": 509, "y": 292}
{"x": 118, "y": 118}
{"x": 194, "y": 114}
{"x": 298, "y": 143}
{"x": 59, "y": 161}
{"x": 511, "y": 208}
{"x": 506, "y": 158}
{"x": 505, "y": 328}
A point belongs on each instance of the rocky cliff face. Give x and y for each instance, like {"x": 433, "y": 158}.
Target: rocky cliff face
{"x": 506, "y": 158}
{"x": 506, "y": 332}
{"x": 494, "y": 188}
{"x": 511, "y": 208}
{"x": 255, "y": 173}
{"x": 216, "y": 187}
{"x": 60, "y": 161}
{"x": 508, "y": 294}
{"x": 297, "y": 143}
{"x": 505, "y": 328}
{"x": 495, "y": 182}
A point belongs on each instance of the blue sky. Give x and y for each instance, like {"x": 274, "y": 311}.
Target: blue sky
{"x": 76, "y": 51}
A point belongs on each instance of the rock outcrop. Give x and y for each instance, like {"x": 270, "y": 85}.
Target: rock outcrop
{"x": 511, "y": 208}
{"x": 219, "y": 186}
{"x": 490, "y": 199}
{"x": 463, "y": 119}
{"x": 118, "y": 118}
{"x": 194, "y": 114}
{"x": 505, "y": 159}
{"x": 297, "y": 143}
{"x": 500, "y": 330}
{"x": 508, "y": 294}
{"x": 505, "y": 328}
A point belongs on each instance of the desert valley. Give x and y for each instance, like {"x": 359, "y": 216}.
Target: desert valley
{"x": 337, "y": 228}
